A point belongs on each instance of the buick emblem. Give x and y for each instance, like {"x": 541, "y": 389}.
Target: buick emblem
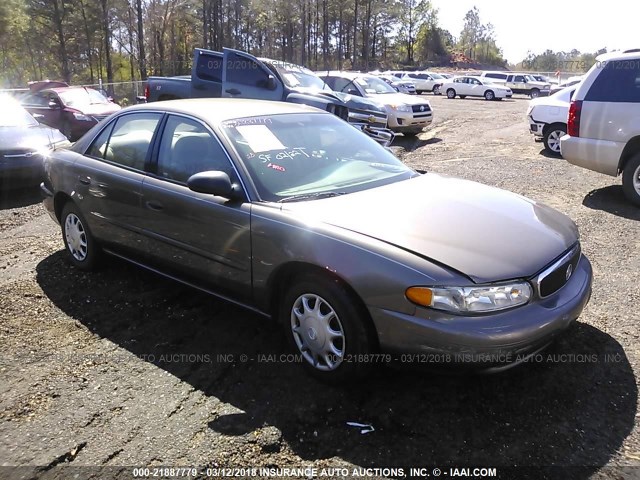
{"x": 569, "y": 272}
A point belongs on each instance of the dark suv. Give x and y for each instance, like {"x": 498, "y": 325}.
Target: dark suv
{"x": 72, "y": 110}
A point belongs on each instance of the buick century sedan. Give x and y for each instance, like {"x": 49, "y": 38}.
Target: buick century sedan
{"x": 292, "y": 213}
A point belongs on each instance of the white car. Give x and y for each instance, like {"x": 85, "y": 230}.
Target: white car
{"x": 547, "y": 118}
{"x": 471, "y": 86}
{"x": 400, "y": 84}
{"x": 407, "y": 114}
{"x": 604, "y": 121}
{"x": 425, "y": 81}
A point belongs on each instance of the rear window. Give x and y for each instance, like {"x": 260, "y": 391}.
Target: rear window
{"x": 618, "y": 81}
{"x": 496, "y": 75}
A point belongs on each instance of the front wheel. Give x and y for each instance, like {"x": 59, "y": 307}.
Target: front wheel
{"x": 451, "y": 93}
{"x": 436, "y": 90}
{"x": 83, "y": 252}
{"x": 631, "y": 179}
{"x": 489, "y": 95}
{"x": 326, "y": 326}
{"x": 535, "y": 93}
{"x": 552, "y": 137}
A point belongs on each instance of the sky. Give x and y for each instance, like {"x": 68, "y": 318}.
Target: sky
{"x": 559, "y": 25}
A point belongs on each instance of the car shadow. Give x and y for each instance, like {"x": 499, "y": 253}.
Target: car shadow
{"x": 554, "y": 156}
{"x": 19, "y": 197}
{"x": 611, "y": 199}
{"x": 409, "y": 144}
{"x": 572, "y": 405}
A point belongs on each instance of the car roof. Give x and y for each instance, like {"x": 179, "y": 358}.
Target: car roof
{"x": 338, "y": 73}
{"x": 626, "y": 55}
{"x": 217, "y": 110}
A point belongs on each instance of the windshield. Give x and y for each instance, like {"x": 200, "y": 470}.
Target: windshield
{"x": 530, "y": 78}
{"x": 296, "y": 76}
{"x": 301, "y": 156}
{"x": 13, "y": 115}
{"x": 374, "y": 85}
{"x": 437, "y": 76}
{"x": 78, "y": 97}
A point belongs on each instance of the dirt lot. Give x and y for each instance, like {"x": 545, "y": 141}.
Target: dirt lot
{"x": 123, "y": 368}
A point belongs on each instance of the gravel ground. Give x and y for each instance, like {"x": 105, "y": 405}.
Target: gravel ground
{"x": 121, "y": 368}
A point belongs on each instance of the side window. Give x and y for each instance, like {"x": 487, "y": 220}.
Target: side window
{"x": 99, "y": 146}
{"x": 130, "y": 139}
{"x": 519, "y": 79}
{"x": 187, "y": 148}
{"x": 344, "y": 85}
{"x": 36, "y": 100}
{"x": 209, "y": 67}
{"x": 245, "y": 71}
{"x": 330, "y": 81}
{"x": 618, "y": 81}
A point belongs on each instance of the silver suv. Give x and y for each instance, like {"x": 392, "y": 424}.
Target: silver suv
{"x": 604, "y": 121}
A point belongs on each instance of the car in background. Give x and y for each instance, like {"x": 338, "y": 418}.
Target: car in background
{"x": 72, "y": 110}
{"x": 471, "y": 86}
{"x": 287, "y": 210}
{"x": 543, "y": 79}
{"x": 603, "y": 128}
{"x": 547, "y": 117}
{"x": 425, "y": 81}
{"x": 570, "y": 82}
{"x": 399, "y": 84}
{"x": 408, "y": 114}
{"x": 23, "y": 144}
{"x": 520, "y": 83}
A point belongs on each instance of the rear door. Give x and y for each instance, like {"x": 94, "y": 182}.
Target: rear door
{"x": 39, "y": 105}
{"x": 244, "y": 76}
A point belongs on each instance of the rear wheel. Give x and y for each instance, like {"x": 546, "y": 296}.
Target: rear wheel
{"x": 327, "y": 327}
{"x": 489, "y": 95}
{"x": 552, "y": 136}
{"x": 83, "y": 252}
{"x": 631, "y": 179}
{"x": 451, "y": 93}
{"x": 463, "y": 96}
{"x": 436, "y": 90}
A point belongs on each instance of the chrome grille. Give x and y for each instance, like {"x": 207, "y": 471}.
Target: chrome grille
{"x": 556, "y": 275}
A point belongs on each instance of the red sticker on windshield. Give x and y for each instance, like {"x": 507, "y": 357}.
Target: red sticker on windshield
{"x": 276, "y": 167}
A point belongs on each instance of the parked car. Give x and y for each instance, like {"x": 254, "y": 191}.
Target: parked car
{"x": 219, "y": 194}
{"x": 543, "y": 79}
{"x": 547, "y": 117}
{"x": 570, "y": 82}
{"x": 603, "y": 128}
{"x": 408, "y": 114}
{"x": 475, "y": 87}
{"x": 23, "y": 144}
{"x": 520, "y": 83}
{"x": 72, "y": 110}
{"x": 399, "y": 84}
{"x": 425, "y": 81}
{"x": 235, "y": 74}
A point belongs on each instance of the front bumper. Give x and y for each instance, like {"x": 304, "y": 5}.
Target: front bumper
{"x": 407, "y": 121}
{"x": 21, "y": 171}
{"x": 483, "y": 342}
{"x": 536, "y": 128}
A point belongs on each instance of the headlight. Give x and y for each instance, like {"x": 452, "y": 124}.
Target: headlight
{"x": 82, "y": 117}
{"x": 476, "y": 299}
{"x": 401, "y": 108}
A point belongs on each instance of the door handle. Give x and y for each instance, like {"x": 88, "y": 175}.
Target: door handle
{"x": 233, "y": 91}
{"x": 84, "y": 180}
{"x": 157, "y": 206}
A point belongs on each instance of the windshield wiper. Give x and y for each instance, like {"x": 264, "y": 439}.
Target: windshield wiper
{"x": 310, "y": 196}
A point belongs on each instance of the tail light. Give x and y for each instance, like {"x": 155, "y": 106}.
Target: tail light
{"x": 146, "y": 91}
{"x": 573, "y": 124}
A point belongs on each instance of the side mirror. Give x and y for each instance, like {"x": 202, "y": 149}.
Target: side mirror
{"x": 353, "y": 91}
{"x": 53, "y": 104}
{"x": 271, "y": 83}
{"x": 213, "y": 183}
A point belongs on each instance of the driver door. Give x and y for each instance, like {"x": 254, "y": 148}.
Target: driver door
{"x": 244, "y": 76}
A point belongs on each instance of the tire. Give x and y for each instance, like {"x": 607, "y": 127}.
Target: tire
{"x": 317, "y": 306}
{"x": 451, "y": 93}
{"x": 489, "y": 95}
{"x": 436, "y": 90}
{"x": 66, "y": 130}
{"x": 631, "y": 179}
{"x": 551, "y": 137}
{"x": 534, "y": 93}
{"x": 83, "y": 251}
{"x": 463, "y": 96}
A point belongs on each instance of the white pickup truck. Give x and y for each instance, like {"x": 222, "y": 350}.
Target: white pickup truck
{"x": 520, "y": 83}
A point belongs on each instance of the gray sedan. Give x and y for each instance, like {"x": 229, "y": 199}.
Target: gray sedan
{"x": 290, "y": 212}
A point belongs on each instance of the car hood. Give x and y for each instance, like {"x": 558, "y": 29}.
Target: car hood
{"x": 29, "y": 138}
{"x": 97, "y": 108}
{"x": 361, "y": 103}
{"x": 396, "y": 98}
{"x": 486, "y": 233}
